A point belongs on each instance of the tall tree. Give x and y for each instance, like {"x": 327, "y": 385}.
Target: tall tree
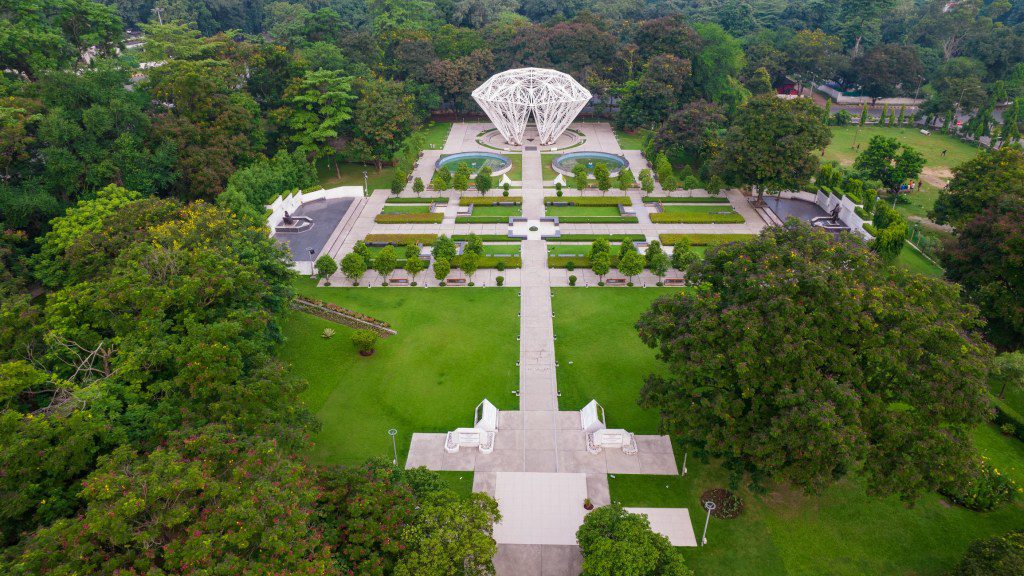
{"x": 890, "y": 162}
{"x": 769, "y": 366}
{"x": 382, "y": 119}
{"x": 318, "y": 105}
{"x": 770, "y": 145}
{"x": 614, "y": 541}
{"x": 989, "y": 179}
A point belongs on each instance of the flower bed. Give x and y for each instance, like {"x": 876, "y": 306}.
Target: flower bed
{"x": 486, "y": 238}
{"x": 727, "y": 504}
{"x": 401, "y": 239}
{"x": 703, "y": 239}
{"x": 341, "y": 315}
{"x": 482, "y": 219}
{"x": 613, "y": 238}
{"x": 420, "y": 218}
{"x": 590, "y": 200}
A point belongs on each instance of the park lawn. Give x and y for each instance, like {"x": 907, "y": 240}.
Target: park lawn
{"x": 547, "y": 172}
{"x": 459, "y": 482}
{"x": 581, "y": 211}
{"x": 414, "y": 382}
{"x": 842, "y": 532}
{"x": 842, "y": 146}
{"x": 919, "y": 202}
{"x": 630, "y": 140}
{"x": 600, "y": 355}
{"x": 482, "y": 210}
{"x": 912, "y": 260}
{"x": 570, "y": 249}
{"x": 435, "y": 134}
{"x": 352, "y": 174}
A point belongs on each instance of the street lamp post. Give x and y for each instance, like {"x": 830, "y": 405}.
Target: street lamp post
{"x": 394, "y": 446}
{"x": 709, "y": 506}
{"x": 366, "y": 183}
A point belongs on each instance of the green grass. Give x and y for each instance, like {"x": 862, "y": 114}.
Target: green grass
{"x": 913, "y": 260}
{"x": 459, "y": 482}
{"x": 569, "y": 250}
{"x": 547, "y": 172}
{"x": 412, "y": 383}
{"x": 514, "y": 173}
{"x": 436, "y": 133}
{"x": 504, "y": 249}
{"x": 497, "y": 210}
{"x": 352, "y": 174}
{"x": 581, "y": 211}
{"x": 931, "y": 147}
{"x": 630, "y": 140}
{"x": 405, "y": 208}
{"x": 842, "y": 532}
{"x": 698, "y": 209}
{"x": 609, "y": 362}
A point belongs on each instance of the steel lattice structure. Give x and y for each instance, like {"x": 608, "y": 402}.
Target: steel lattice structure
{"x": 553, "y": 98}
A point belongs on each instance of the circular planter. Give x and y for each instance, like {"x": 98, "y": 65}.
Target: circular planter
{"x": 476, "y": 160}
{"x": 565, "y": 163}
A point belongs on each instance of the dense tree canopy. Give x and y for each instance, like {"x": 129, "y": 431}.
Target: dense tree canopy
{"x": 800, "y": 357}
{"x": 994, "y": 177}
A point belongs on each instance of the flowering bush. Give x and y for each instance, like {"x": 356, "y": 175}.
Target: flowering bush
{"x": 986, "y": 489}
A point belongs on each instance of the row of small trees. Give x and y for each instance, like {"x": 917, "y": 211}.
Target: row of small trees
{"x": 444, "y": 251}
{"x": 631, "y": 262}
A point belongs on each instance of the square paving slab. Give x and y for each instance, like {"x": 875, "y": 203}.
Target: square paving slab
{"x": 539, "y": 507}
{"x": 673, "y": 523}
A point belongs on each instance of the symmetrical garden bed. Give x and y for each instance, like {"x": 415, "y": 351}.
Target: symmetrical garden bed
{"x": 696, "y": 214}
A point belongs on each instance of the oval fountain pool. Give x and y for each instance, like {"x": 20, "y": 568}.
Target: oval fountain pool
{"x": 566, "y": 162}
{"x": 476, "y": 160}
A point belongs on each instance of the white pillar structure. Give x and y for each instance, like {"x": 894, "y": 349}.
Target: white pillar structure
{"x": 553, "y": 98}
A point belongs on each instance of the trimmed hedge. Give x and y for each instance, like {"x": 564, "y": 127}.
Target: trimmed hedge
{"x": 598, "y": 220}
{"x": 870, "y": 229}
{"x": 492, "y": 261}
{"x": 862, "y": 212}
{"x": 401, "y": 239}
{"x": 590, "y": 200}
{"x": 485, "y": 238}
{"x": 488, "y": 200}
{"x": 414, "y": 218}
{"x": 482, "y": 219}
{"x": 704, "y": 239}
{"x": 420, "y": 200}
{"x": 687, "y": 200}
{"x": 695, "y": 218}
{"x": 591, "y": 237}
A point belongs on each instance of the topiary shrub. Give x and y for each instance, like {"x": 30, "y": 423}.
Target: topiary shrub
{"x": 601, "y": 283}
{"x": 570, "y": 266}
{"x": 500, "y": 266}
{"x": 629, "y": 284}
{"x": 500, "y": 280}
{"x": 572, "y": 280}
{"x": 727, "y": 504}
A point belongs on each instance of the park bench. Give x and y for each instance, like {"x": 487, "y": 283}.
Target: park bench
{"x": 456, "y": 281}
{"x": 674, "y": 281}
{"x": 398, "y": 280}
{"x": 615, "y": 282}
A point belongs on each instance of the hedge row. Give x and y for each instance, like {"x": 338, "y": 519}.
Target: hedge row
{"x": 590, "y": 200}
{"x": 1007, "y": 415}
{"x": 703, "y": 239}
{"x": 686, "y": 200}
{"x": 401, "y": 239}
{"x": 592, "y": 237}
{"x": 482, "y": 219}
{"x": 418, "y": 200}
{"x": 695, "y": 218}
{"x": 414, "y": 218}
{"x": 488, "y": 200}
{"x": 492, "y": 261}
{"x": 597, "y": 220}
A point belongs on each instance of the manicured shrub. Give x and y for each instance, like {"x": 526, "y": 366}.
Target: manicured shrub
{"x": 500, "y": 266}
{"x": 488, "y": 201}
{"x": 686, "y": 200}
{"x": 570, "y": 266}
{"x": 414, "y": 218}
{"x": 325, "y": 266}
{"x": 365, "y": 341}
{"x": 400, "y": 239}
{"x": 572, "y": 280}
{"x": 593, "y": 200}
{"x": 500, "y": 280}
{"x": 696, "y": 218}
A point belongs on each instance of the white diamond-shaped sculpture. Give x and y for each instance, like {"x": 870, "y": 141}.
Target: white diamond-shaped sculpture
{"x": 553, "y": 98}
